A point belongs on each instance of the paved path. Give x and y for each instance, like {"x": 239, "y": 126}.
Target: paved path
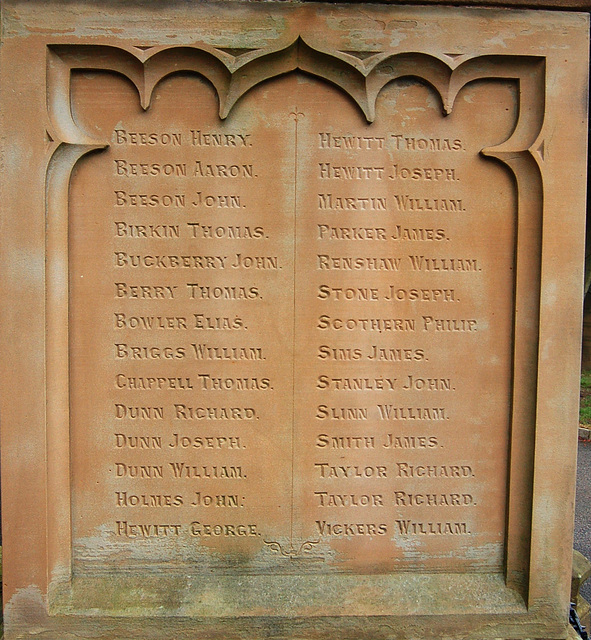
{"x": 583, "y": 508}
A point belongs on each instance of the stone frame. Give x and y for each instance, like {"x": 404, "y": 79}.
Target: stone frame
{"x": 533, "y": 571}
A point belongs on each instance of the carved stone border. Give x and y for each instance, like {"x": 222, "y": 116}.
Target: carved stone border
{"x": 362, "y": 75}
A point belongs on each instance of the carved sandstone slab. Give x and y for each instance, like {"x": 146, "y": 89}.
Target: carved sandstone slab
{"x": 290, "y": 320}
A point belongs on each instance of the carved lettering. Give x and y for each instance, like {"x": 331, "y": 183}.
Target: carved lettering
{"x": 408, "y": 527}
{"x": 394, "y": 441}
{"x": 152, "y": 383}
{"x": 125, "y": 499}
{"x": 326, "y": 499}
{"x": 324, "y": 441}
{"x": 132, "y": 530}
{"x": 214, "y": 139}
{"x": 449, "y": 325}
{"x": 214, "y": 383}
{"x": 206, "y": 292}
{"x": 403, "y": 499}
{"x": 328, "y": 202}
{"x": 378, "y": 325}
{"x": 391, "y": 412}
{"x": 149, "y": 138}
{"x": 123, "y": 412}
{"x": 394, "y": 354}
{"x": 324, "y": 412}
{"x": 261, "y": 263}
{"x": 413, "y": 234}
{"x": 151, "y": 231}
{"x": 204, "y": 170}
{"x": 326, "y": 232}
{"x": 356, "y": 384}
{"x": 405, "y": 143}
{"x": 144, "y": 291}
{"x": 421, "y": 205}
{"x": 350, "y": 142}
{"x": 228, "y": 354}
{"x": 407, "y": 470}
{"x": 349, "y": 529}
{"x": 358, "y": 263}
{"x": 336, "y": 277}
{"x": 125, "y": 441}
{"x": 328, "y": 171}
{"x": 180, "y": 441}
{"x": 217, "y": 323}
{"x": 125, "y": 168}
{"x": 421, "y": 295}
{"x": 124, "y": 351}
{"x": 217, "y": 501}
{"x": 326, "y": 470}
{"x": 185, "y": 412}
{"x": 123, "y": 470}
{"x": 202, "y": 530}
{"x": 143, "y": 200}
{"x": 217, "y": 201}
{"x": 428, "y": 384}
{"x": 181, "y": 470}
{"x": 147, "y": 261}
{"x": 427, "y": 174}
{"x": 225, "y": 232}
{"x": 420, "y": 263}
{"x": 149, "y": 323}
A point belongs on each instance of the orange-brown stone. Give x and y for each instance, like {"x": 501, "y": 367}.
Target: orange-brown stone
{"x": 291, "y": 319}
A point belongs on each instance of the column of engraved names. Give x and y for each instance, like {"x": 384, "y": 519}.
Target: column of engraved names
{"x": 392, "y": 284}
{"x": 433, "y": 489}
{"x": 195, "y": 266}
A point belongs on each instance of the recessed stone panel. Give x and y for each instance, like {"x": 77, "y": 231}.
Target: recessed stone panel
{"x": 306, "y": 354}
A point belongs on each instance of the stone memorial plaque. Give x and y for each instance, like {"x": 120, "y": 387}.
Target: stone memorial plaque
{"x": 290, "y": 319}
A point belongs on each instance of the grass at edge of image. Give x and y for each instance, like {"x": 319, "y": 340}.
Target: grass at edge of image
{"x": 585, "y": 410}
